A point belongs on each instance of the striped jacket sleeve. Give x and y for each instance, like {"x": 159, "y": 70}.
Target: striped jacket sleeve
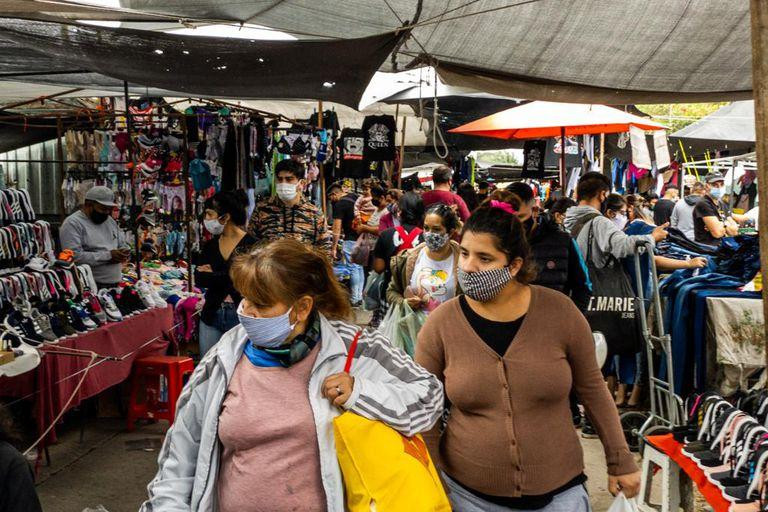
{"x": 390, "y": 387}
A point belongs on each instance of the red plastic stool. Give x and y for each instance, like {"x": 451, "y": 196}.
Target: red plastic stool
{"x": 172, "y": 369}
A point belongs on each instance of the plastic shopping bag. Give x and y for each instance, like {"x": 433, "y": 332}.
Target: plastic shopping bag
{"x": 409, "y": 327}
{"x": 623, "y": 504}
{"x": 384, "y": 470}
{"x": 389, "y": 325}
{"x": 372, "y": 291}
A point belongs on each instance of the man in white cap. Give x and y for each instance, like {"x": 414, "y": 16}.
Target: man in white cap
{"x": 93, "y": 235}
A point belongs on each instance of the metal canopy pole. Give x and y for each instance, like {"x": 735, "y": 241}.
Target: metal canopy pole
{"x": 759, "y": 17}
{"x": 134, "y": 224}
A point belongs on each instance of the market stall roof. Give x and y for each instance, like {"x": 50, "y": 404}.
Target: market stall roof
{"x": 543, "y": 119}
{"x": 733, "y": 122}
{"x": 616, "y": 52}
{"x": 97, "y": 57}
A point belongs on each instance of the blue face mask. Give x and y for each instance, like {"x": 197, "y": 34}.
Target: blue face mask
{"x": 717, "y": 193}
{"x": 266, "y": 332}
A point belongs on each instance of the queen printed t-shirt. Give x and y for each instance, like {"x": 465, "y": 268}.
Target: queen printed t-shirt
{"x": 379, "y": 134}
{"x": 433, "y": 280}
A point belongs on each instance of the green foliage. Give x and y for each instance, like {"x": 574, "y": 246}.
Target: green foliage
{"x": 502, "y": 156}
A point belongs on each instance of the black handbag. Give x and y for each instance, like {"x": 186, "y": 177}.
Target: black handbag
{"x": 613, "y": 309}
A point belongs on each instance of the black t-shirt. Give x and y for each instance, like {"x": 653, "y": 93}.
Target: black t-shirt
{"x": 344, "y": 210}
{"x": 497, "y": 335}
{"x": 379, "y": 137}
{"x": 218, "y": 283}
{"x": 663, "y": 211}
{"x": 387, "y": 245}
{"x": 17, "y": 483}
{"x": 351, "y": 163}
{"x": 706, "y": 208}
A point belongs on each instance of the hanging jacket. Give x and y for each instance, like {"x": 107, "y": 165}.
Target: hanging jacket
{"x": 402, "y": 265}
{"x": 389, "y": 387}
{"x": 272, "y": 219}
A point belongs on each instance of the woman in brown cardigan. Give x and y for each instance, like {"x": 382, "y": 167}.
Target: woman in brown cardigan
{"x": 508, "y": 354}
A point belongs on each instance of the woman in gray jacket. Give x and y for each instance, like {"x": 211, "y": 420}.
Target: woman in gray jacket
{"x": 254, "y": 427}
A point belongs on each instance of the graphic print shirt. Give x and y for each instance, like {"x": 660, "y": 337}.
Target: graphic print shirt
{"x": 379, "y": 138}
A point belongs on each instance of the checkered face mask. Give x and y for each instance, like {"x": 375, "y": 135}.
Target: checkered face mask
{"x": 483, "y": 286}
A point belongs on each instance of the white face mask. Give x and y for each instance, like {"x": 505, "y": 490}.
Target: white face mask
{"x": 287, "y": 191}
{"x": 620, "y": 220}
{"x": 213, "y": 226}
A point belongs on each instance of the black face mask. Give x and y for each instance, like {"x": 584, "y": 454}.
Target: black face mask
{"x": 98, "y": 217}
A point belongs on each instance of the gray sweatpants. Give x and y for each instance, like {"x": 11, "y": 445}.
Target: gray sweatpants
{"x": 574, "y": 499}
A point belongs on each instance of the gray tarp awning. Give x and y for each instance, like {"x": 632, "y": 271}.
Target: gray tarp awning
{"x": 332, "y": 70}
{"x": 734, "y": 122}
{"x": 617, "y": 52}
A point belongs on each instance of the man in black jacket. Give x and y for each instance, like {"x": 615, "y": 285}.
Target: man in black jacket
{"x": 559, "y": 263}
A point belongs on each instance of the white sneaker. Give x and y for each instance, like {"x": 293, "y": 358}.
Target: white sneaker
{"x": 144, "y": 294}
{"x": 110, "y": 308}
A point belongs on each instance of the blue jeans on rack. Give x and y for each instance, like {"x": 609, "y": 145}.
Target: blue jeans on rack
{"x": 681, "y": 322}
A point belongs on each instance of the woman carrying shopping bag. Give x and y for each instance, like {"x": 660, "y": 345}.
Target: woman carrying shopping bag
{"x": 254, "y": 428}
{"x": 424, "y": 277}
{"x": 508, "y": 354}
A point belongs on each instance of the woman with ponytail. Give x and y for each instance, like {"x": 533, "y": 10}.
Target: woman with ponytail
{"x": 508, "y": 354}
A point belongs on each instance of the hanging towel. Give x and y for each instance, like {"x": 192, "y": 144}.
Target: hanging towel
{"x": 641, "y": 157}
{"x": 661, "y": 148}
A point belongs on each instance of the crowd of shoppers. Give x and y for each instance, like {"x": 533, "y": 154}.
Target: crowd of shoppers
{"x": 487, "y": 268}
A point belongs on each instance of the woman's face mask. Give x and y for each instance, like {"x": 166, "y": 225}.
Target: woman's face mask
{"x": 213, "y": 226}
{"x": 620, "y": 220}
{"x": 266, "y": 332}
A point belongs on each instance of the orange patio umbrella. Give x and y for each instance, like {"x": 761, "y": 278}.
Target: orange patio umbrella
{"x": 545, "y": 119}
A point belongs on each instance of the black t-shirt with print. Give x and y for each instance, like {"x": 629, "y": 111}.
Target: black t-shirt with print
{"x": 379, "y": 138}
{"x": 344, "y": 210}
{"x": 387, "y": 245}
{"x": 351, "y": 162}
{"x": 707, "y": 208}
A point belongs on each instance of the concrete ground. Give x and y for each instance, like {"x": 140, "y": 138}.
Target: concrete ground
{"x": 112, "y": 467}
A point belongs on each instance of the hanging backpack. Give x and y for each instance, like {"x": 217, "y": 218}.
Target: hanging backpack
{"x": 407, "y": 238}
{"x": 613, "y": 309}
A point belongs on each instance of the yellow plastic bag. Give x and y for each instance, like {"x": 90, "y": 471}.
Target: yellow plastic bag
{"x": 383, "y": 470}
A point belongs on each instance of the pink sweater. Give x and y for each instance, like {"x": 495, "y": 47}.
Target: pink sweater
{"x": 270, "y": 459}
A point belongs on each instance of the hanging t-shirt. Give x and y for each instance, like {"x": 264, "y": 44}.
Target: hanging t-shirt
{"x": 433, "y": 280}
{"x": 379, "y": 133}
{"x": 352, "y": 164}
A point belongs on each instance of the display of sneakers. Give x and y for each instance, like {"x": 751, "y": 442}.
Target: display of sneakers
{"x": 110, "y": 308}
{"x": 95, "y": 307}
